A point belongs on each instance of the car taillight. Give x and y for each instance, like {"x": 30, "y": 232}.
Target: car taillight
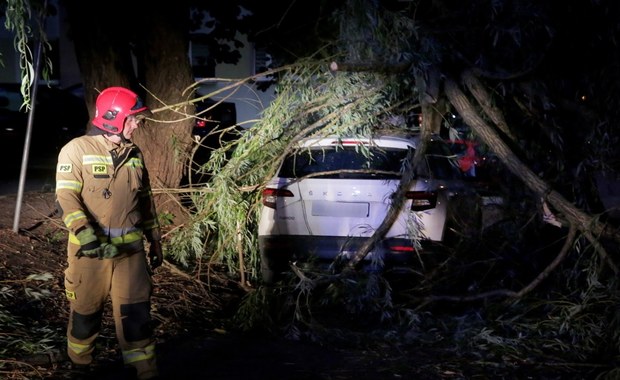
{"x": 422, "y": 200}
{"x": 401, "y": 248}
{"x": 271, "y": 195}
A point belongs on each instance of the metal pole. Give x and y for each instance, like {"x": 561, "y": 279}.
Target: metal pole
{"x": 22, "y": 174}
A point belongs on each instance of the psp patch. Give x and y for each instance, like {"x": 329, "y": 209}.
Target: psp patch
{"x": 64, "y": 168}
{"x": 100, "y": 169}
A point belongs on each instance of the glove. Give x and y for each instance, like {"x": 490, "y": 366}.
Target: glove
{"x": 91, "y": 247}
{"x": 108, "y": 251}
{"x": 156, "y": 257}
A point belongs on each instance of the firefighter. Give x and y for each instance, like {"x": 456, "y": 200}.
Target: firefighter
{"x": 103, "y": 192}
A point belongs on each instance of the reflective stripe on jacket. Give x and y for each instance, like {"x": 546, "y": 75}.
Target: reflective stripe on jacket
{"x": 105, "y": 186}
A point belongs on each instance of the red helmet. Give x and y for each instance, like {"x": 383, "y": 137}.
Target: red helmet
{"x": 113, "y": 106}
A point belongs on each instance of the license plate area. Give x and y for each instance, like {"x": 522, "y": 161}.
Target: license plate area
{"x": 341, "y": 209}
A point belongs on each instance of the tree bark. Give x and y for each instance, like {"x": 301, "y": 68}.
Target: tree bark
{"x": 164, "y": 54}
{"x": 143, "y": 46}
{"x": 102, "y": 52}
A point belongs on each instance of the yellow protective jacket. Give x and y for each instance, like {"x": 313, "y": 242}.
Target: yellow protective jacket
{"x": 106, "y": 186}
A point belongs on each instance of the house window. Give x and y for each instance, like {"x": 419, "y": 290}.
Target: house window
{"x": 262, "y": 62}
{"x": 203, "y": 65}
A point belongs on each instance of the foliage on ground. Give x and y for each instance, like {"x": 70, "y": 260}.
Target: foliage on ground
{"x": 383, "y": 324}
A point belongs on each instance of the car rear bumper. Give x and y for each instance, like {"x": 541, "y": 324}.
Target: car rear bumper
{"x": 277, "y": 251}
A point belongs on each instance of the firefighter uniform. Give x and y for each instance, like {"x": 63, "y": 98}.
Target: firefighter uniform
{"x": 105, "y": 186}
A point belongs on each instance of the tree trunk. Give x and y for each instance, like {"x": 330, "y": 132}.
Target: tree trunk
{"x": 102, "y": 51}
{"x": 154, "y": 37}
{"x": 164, "y": 51}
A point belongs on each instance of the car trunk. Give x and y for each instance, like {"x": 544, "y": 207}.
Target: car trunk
{"x": 347, "y": 208}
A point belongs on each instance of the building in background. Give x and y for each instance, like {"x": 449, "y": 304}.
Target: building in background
{"x": 248, "y": 100}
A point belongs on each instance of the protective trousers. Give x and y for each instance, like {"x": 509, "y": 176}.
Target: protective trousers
{"x": 126, "y": 279}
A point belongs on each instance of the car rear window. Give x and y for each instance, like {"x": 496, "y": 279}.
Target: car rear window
{"x": 371, "y": 163}
{"x": 344, "y": 162}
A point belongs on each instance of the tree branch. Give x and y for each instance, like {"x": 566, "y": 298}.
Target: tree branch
{"x": 482, "y": 96}
{"x": 582, "y": 221}
{"x": 570, "y": 238}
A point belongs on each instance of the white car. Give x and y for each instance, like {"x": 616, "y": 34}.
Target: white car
{"x": 332, "y": 193}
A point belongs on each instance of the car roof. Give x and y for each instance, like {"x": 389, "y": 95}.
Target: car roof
{"x": 382, "y": 141}
{"x": 394, "y": 139}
